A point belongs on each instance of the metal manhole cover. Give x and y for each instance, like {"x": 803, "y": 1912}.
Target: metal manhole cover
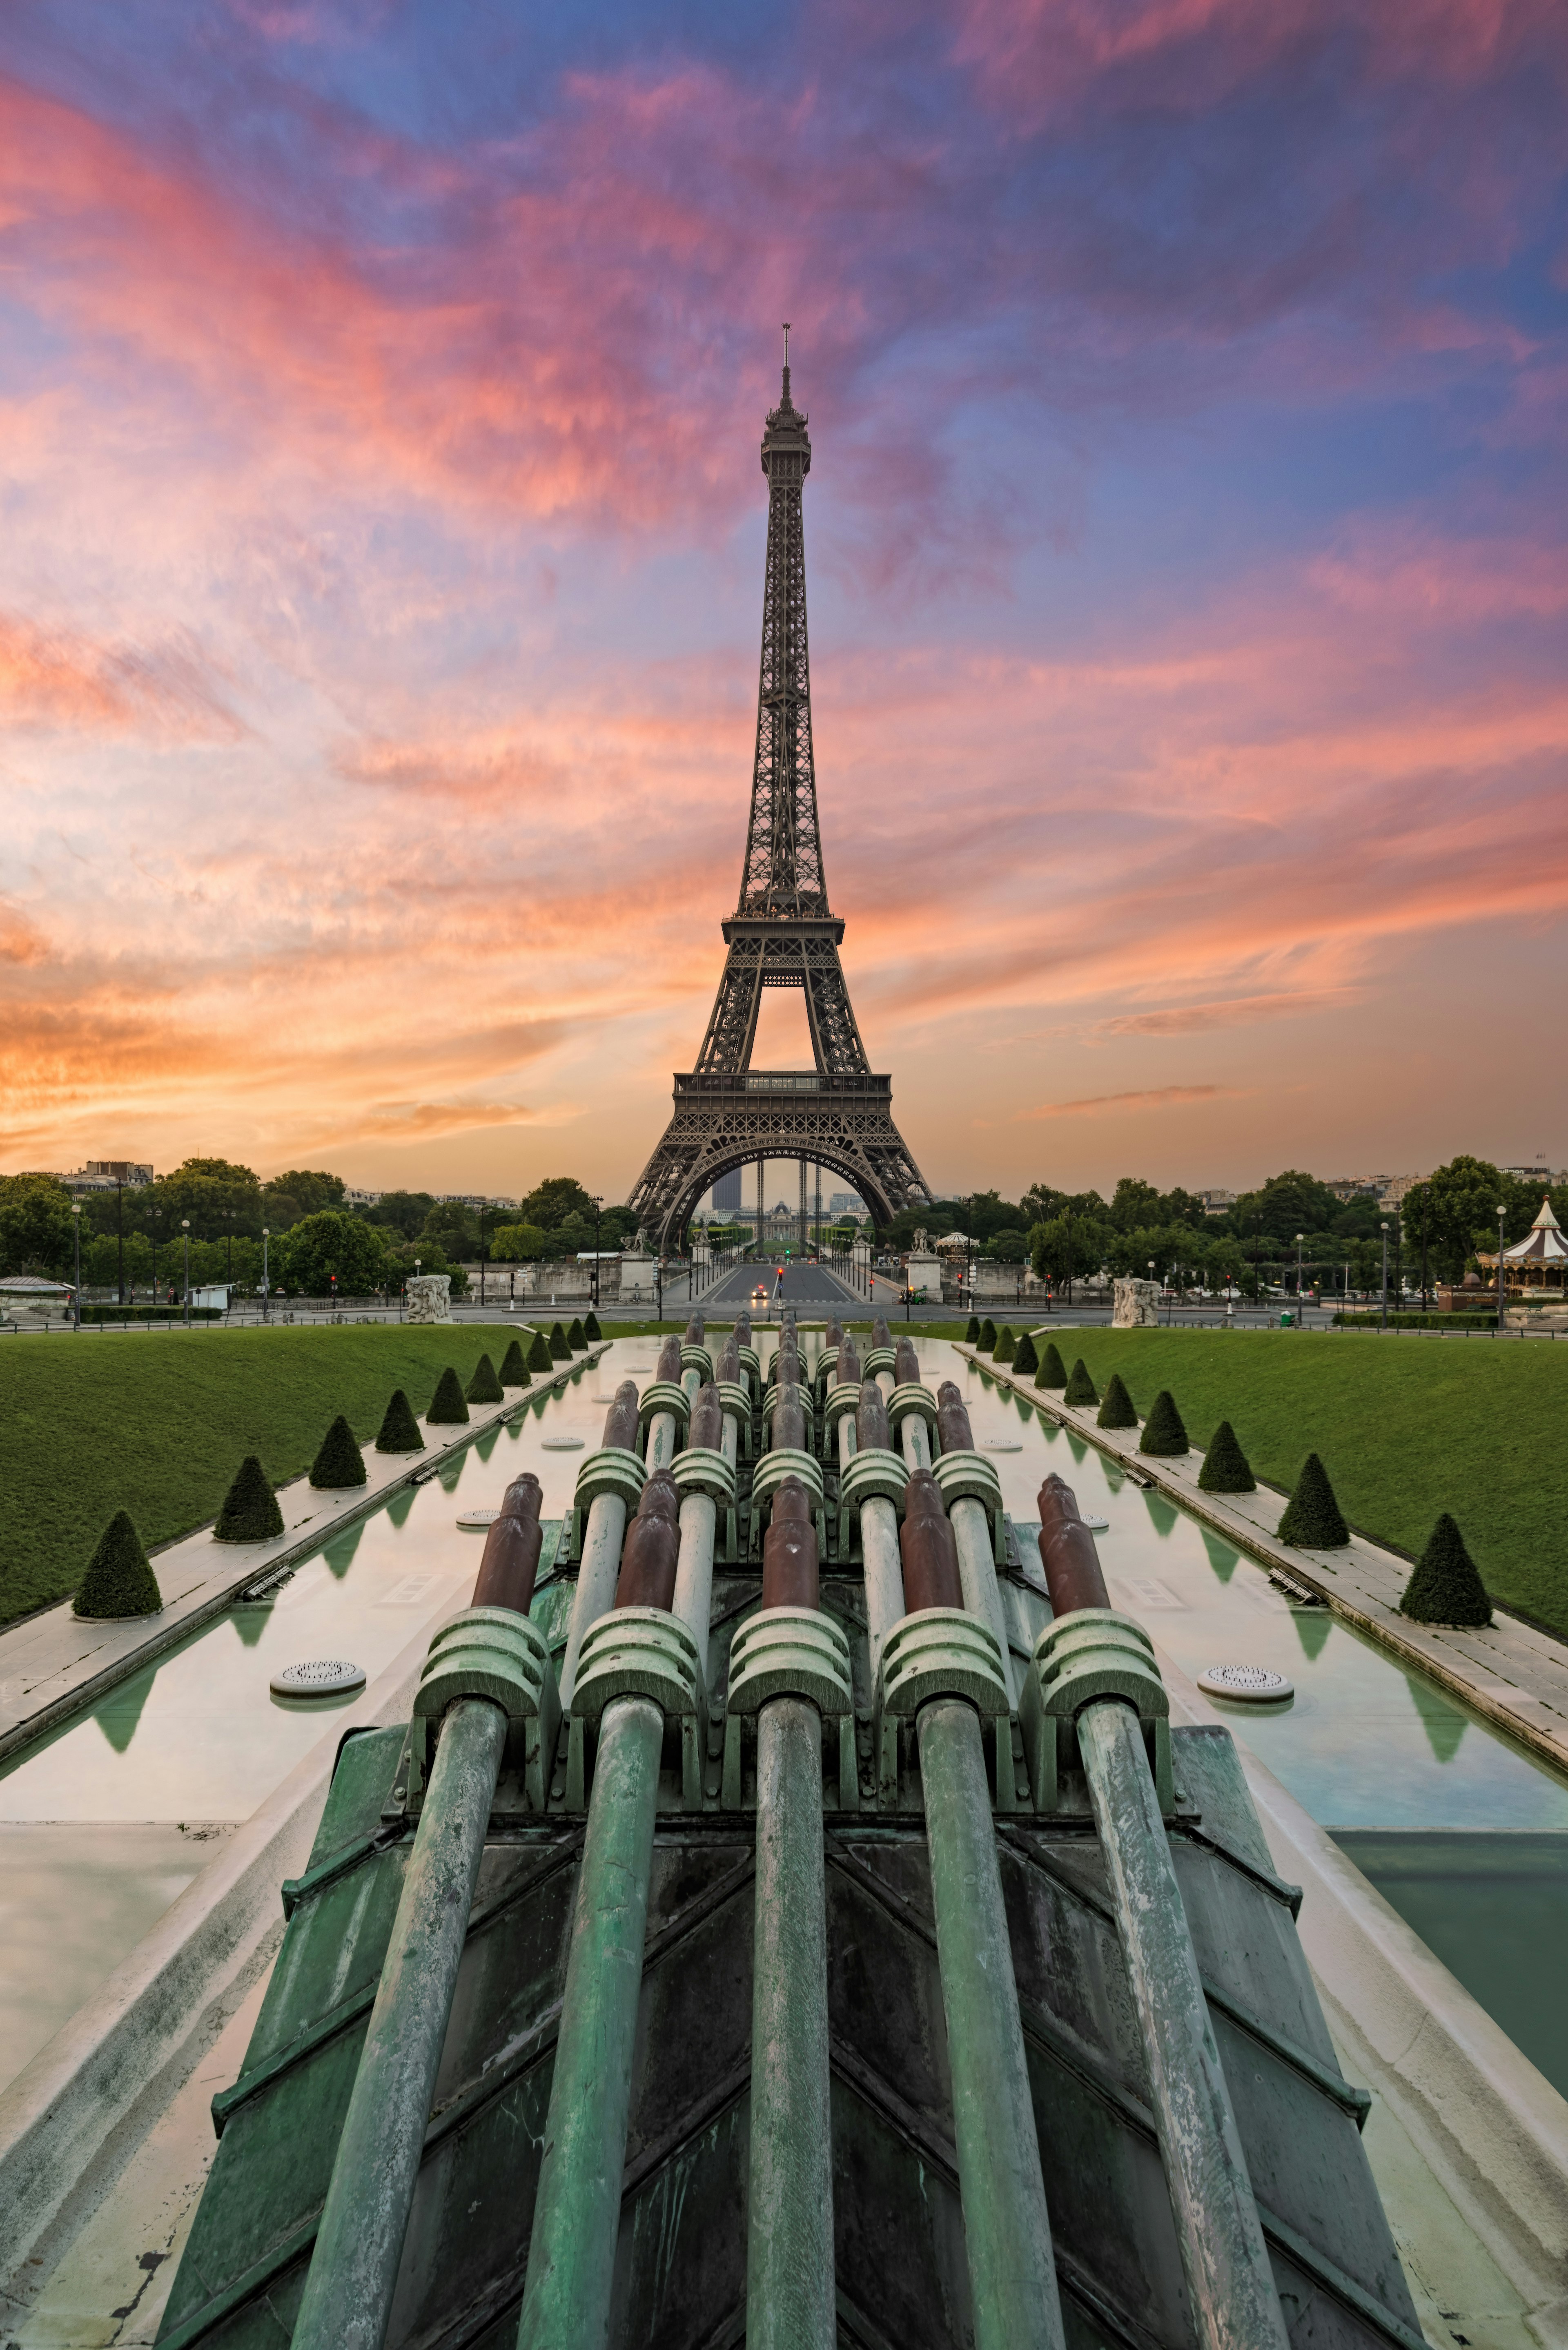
{"x": 1098, "y": 1525}
{"x": 563, "y": 1444}
{"x": 1251, "y": 1684}
{"x": 323, "y": 1676}
{"x": 477, "y": 1520}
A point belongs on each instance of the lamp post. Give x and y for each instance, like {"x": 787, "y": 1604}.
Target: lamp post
{"x": 185, "y": 1228}
{"x": 1298, "y": 1279}
{"x": 1067, "y": 1225}
{"x": 598, "y": 1205}
{"x": 267, "y": 1285}
{"x": 77, "y": 1230}
{"x": 1384, "y": 1228}
{"x": 119, "y": 1236}
{"x": 1502, "y": 1280}
{"x": 155, "y": 1216}
{"x": 482, "y": 1256}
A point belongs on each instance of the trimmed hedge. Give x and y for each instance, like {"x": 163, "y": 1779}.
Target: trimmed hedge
{"x": 591, "y": 1330}
{"x": 1446, "y": 1587}
{"x": 250, "y": 1511}
{"x": 1081, "y": 1387}
{"x": 448, "y": 1406}
{"x": 1116, "y": 1411}
{"x": 539, "y": 1357}
{"x": 339, "y": 1461}
{"x": 484, "y": 1387}
{"x": 1313, "y": 1520}
{"x": 514, "y": 1371}
{"x": 1374, "y": 1321}
{"x": 96, "y": 1313}
{"x": 1053, "y": 1371}
{"x": 1226, "y": 1469}
{"x": 1027, "y": 1359}
{"x": 1163, "y": 1433}
{"x": 1006, "y": 1345}
{"x": 400, "y": 1429}
{"x": 972, "y": 1335}
{"x": 986, "y": 1342}
{"x": 118, "y": 1581}
{"x": 577, "y": 1338}
{"x": 560, "y": 1346}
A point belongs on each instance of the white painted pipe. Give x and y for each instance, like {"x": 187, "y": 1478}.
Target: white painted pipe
{"x": 977, "y": 1573}
{"x": 884, "y": 1575}
{"x": 602, "y": 1540}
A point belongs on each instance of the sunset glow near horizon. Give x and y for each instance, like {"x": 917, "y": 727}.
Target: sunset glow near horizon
{"x": 381, "y": 555}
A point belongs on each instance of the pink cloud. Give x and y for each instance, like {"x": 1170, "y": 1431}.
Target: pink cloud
{"x": 1150, "y": 1097}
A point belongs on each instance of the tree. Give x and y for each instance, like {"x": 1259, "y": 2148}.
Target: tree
{"x": 403, "y": 1212}
{"x": 514, "y": 1369}
{"x": 550, "y": 1203}
{"x": 1163, "y": 1432}
{"x": 250, "y": 1513}
{"x": 1285, "y": 1205}
{"x": 1458, "y": 1205}
{"x": 1134, "y": 1203}
{"x": 399, "y": 1430}
{"x": 1080, "y": 1388}
{"x": 484, "y": 1387}
{"x": 1446, "y": 1587}
{"x": 218, "y": 1195}
{"x": 1117, "y": 1409}
{"x": 518, "y": 1243}
{"x": 307, "y": 1255}
{"x": 455, "y": 1226}
{"x": 1008, "y": 1247}
{"x": 1313, "y": 1520}
{"x": 1226, "y": 1469}
{"x": 289, "y": 1198}
{"x": 339, "y": 1461}
{"x": 118, "y": 1581}
{"x": 36, "y": 1233}
{"x": 447, "y": 1404}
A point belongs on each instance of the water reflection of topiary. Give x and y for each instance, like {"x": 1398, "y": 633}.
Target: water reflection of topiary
{"x": 1163, "y": 1433}
{"x": 1117, "y": 1409}
{"x": 1446, "y": 1587}
{"x": 987, "y": 1338}
{"x": 539, "y": 1356}
{"x": 484, "y": 1387}
{"x": 1313, "y": 1520}
{"x": 250, "y": 1511}
{"x": 447, "y": 1404}
{"x": 1006, "y": 1344}
{"x": 1081, "y": 1388}
{"x": 118, "y": 1581}
{"x": 1053, "y": 1371}
{"x": 971, "y": 1335}
{"x": 514, "y": 1370}
{"x": 400, "y": 1429}
{"x": 560, "y": 1351}
{"x": 577, "y": 1337}
{"x": 1226, "y": 1469}
{"x": 339, "y": 1461}
{"x": 591, "y": 1330}
{"x": 1027, "y": 1359}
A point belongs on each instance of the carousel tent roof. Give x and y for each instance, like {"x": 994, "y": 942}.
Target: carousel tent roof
{"x": 1542, "y": 1243}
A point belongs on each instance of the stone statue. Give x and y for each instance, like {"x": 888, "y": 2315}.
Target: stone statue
{"x": 1134, "y": 1306}
{"x": 428, "y": 1297}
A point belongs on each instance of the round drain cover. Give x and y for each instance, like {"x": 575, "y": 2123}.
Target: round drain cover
{"x": 1000, "y": 1444}
{"x": 323, "y": 1676}
{"x": 477, "y": 1520}
{"x": 563, "y": 1444}
{"x": 1252, "y": 1684}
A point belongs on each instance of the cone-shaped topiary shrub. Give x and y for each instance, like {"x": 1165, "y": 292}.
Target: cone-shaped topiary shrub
{"x": 971, "y": 1335}
{"x": 560, "y": 1351}
{"x": 1116, "y": 1411}
{"x": 250, "y": 1511}
{"x": 987, "y": 1339}
{"x": 514, "y": 1370}
{"x": 118, "y": 1581}
{"x": 1053, "y": 1371}
{"x": 447, "y": 1404}
{"x": 399, "y": 1430}
{"x": 340, "y": 1460}
{"x": 539, "y": 1356}
{"x": 1312, "y": 1520}
{"x": 591, "y": 1330}
{"x": 484, "y": 1387}
{"x": 1163, "y": 1432}
{"x": 1226, "y": 1469}
{"x": 1006, "y": 1344}
{"x": 1081, "y": 1387}
{"x": 577, "y": 1337}
{"x": 1025, "y": 1359}
{"x": 1446, "y": 1587}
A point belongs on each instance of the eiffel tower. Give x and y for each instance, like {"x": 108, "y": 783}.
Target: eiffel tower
{"x": 781, "y": 935}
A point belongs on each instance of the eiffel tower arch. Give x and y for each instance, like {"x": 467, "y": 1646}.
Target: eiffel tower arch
{"x": 782, "y": 933}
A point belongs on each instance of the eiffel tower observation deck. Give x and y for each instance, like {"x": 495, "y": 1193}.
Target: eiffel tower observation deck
{"x": 782, "y": 933}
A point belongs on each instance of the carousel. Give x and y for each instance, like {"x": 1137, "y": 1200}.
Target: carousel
{"x": 1537, "y": 1263}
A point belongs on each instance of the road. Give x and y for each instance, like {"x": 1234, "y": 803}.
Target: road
{"x": 810, "y": 1286}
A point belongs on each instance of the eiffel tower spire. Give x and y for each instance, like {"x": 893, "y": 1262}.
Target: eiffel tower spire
{"x": 781, "y": 935}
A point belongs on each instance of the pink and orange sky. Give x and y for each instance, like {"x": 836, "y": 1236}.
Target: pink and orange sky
{"x": 381, "y": 552}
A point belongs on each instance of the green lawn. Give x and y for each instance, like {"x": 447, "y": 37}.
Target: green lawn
{"x": 159, "y": 1425}
{"x": 1405, "y": 1428}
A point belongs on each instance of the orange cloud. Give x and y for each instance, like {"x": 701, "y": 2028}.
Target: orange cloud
{"x": 1150, "y": 1097}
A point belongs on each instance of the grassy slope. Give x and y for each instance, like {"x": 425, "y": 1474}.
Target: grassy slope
{"x": 1405, "y": 1428}
{"x": 159, "y": 1425}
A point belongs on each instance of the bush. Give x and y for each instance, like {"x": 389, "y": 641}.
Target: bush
{"x": 1226, "y": 1469}
{"x": 250, "y": 1511}
{"x": 1163, "y": 1432}
{"x": 1027, "y": 1359}
{"x": 1053, "y": 1371}
{"x": 539, "y": 1357}
{"x": 971, "y": 1335}
{"x": 484, "y": 1387}
{"x": 514, "y": 1370}
{"x": 447, "y": 1406}
{"x": 1446, "y": 1587}
{"x": 1433, "y": 1321}
{"x": 987, "y": 1339}
{"x": 1117, "y": 1411}
{"x": 591, "y": 1330}
{"x": 400, "y": 1429}
{"x": 1313, "y": 1520}
{"x": 1006, "y": 1345}
{"x": 118, "y": 1581}
{"x": 560, "y": 1348}
{"x": 1081, "y": 1387}
{"x": 577, "y": 1338}
{"x": 339, "y": 1461}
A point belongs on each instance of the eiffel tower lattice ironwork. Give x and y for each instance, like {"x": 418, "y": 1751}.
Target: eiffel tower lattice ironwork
{"x": 781, "y": 935}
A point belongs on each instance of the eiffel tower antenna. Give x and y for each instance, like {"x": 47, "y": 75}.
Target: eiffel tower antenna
{"x": 782, "y": 935}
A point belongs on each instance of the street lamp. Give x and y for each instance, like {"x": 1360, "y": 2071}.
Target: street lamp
{"x": 1298, "y": 1277}
{"x": 1384, "y": 1228}
{"x": 599, "y": 1203}
{"x": 267, "y": 1285}
{"x": 185, "y": 1228}
{"x": 1501, "y": 1282}
{"x": 119, "y": 1236}
{"x": 77, "y": 1229}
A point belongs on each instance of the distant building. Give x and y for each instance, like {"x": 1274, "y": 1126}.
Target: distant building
{"x": 727, "y": 1192}
{"x": 847, "y": 1203}
{"x": 459, "y": 1199}
{"x": 1217, "y": 1203}
{"x": 105, "y": 1174}
{"x": 354, "y": 1198}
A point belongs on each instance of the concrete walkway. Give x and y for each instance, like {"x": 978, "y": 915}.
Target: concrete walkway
{"x": 1510, "y": 1674}
{"x": 55, "y": 1663}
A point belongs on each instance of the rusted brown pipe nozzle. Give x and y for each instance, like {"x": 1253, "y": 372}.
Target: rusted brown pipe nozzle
{"x": 707, "y": 1418}
{"x": 652, "y": 1547}
{"x": 833, "y": 1337}
{"x": 880, "y": 1336}
{"x": 848, "y": 1363}
{"x": 743, "y": 1332}
{"x": 788, "y": 1419}
{"x": 694, "y": 1329}
{"x": 952, "y": 1420}
{"x": 789, "y": 1550}
{"x": 511, "y": 1559}
{"x": 927, "y": 1546}
{"x": 1068, "y": 1552}
{"x": 668, "y": 1366}
{"x": 871, "y": 1417}
{"x": 620, "y": 1420}
{"x": 727, "y": 1367}
{"x": 906, "y": 1362}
